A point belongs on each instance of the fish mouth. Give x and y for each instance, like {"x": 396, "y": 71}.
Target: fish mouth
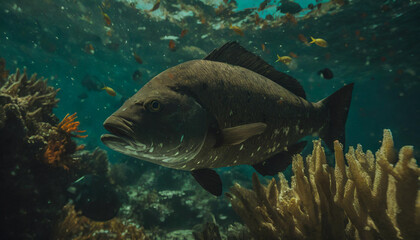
{"x": 118, "y": 127}
{"x": 121, "y": 137}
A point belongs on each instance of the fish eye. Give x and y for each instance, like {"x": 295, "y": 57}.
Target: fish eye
{"x": 154, "y": 106}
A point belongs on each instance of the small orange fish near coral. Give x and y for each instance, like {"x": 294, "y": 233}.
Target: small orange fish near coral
{"x": 137, "y": 58}
{"x": 263, "y": 47}
{"x": 237, "y": 30}
{"x": 303, "y": 39}
{"x": 89, "y": 49}
{"x": 172, "y": 45}
{"x": 106, "y": 17}
{"x": 293, "y": 55}
{"x": 155, "y": 7}
{"x": 183, "y": 33}
{"x": 110, "y": 91}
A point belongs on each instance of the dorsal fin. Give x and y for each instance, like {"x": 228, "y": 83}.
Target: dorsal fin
{"x": 235, "y": 54}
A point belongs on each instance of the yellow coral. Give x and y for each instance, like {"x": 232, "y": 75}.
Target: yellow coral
{"x": 371, "y": 198}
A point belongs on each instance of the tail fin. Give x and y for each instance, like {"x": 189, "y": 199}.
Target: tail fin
{"x": 338, "y": 105}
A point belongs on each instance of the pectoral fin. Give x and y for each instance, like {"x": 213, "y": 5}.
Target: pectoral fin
{"x": 238, "y": 134}
{"x": 209, "y": 180}
{"x": 280, "y": 161}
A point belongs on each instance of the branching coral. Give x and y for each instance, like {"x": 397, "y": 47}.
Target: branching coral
{"x": 68, "y": 125}
{"x": 60, "y": 145}
{"x": 374, "y": 197}
{"x": 33, "y": 95}
{"x": 78, "y": 227}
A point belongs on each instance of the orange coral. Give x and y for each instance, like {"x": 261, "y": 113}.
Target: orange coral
{"x": 60, "y": 145}
{"x": 69, "y": 125}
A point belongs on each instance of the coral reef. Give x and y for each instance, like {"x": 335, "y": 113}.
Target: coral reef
{"x": 373, "y": 197}
{"x": 78, "y": 227}
{"x": 35, "y": 152}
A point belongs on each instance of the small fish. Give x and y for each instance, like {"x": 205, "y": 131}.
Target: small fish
{"x": 285, "y": 59}
{"x": 237, "y": 30}
{"x": 192, "y": 127}
{"x": 319, "y": 41}
{"x": 326, "y": 73}
{"x": 263, "y": 47}
{"x": 303, "y": 39}
{"x": 137, "y": 75}
{"x": 106, "y": 17}
{"x": 293, "y": 55}
{"x": 92, "y": 83}
{"x": 172, "y": 45}
{"x": 137, "y": 58}
{"x": 110, "y": 91}
{"x": 89, "y": 48}
{"x": 155, "y": 7}
{"x": 95, "y": 197}
{"x": 183, "y": 33}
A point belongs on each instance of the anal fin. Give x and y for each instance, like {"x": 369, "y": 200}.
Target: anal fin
{"x": 209, "y": 180}
{"x": 280, "y": 161}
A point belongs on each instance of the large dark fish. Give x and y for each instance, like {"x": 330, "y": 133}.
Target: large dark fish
{"x": 230, "y": 108}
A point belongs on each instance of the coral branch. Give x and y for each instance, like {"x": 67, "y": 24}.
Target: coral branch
{"x": 368, "y": 199}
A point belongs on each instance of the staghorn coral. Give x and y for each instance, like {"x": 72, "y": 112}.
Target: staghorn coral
{"x": 374, "y": 197}
{"x": 78, "y": 227}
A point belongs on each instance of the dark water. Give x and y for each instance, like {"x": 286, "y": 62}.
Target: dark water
{"x": 371, "y": 43}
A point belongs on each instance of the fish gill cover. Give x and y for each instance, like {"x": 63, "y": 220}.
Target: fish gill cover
{"x": 100, "y": 53}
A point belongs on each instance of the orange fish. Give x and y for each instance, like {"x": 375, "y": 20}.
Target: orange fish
{"x": 110, "y": 91}
{"x": 263, "y": 47}
{"x": 89, "y": 49}
{"x": 237, "y": 30}
{"x": 156, "y": 6}
{"x": 293, "y": 55}
{"x": 137, "y": 58}
{"x": 183, "y": 33}
{"x": 106, "y": 17}
{"x": 172, "y": 45}
{"x": 357, "y": 32}
{"x": 303, "y": 39}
